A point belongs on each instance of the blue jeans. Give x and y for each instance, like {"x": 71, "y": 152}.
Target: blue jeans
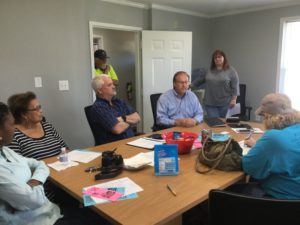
{"x": 216, "y": 111}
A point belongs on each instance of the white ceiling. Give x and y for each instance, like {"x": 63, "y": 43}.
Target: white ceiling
{"x": 208, "y": 8}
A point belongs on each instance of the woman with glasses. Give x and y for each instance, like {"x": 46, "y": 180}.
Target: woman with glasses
{"x": 22, "y": 196}
{"x": 34, "y": 138}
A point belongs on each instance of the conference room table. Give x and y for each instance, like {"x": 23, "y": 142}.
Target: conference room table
{"x": 155, "y": 204}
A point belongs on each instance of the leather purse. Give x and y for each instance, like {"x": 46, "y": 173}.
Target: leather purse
{"x": 221, "y": 155}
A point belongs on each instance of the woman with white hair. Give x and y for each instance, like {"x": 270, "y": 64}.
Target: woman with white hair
{"x": 274, "y": 159}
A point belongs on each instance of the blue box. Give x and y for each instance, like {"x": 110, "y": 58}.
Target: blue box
{"x": 166, "y": 160}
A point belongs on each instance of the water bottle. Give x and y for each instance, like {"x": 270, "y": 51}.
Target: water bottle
{"x": 63, "y": 157}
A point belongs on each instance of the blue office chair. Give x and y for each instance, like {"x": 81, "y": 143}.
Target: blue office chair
{"x": 228, "y": 208}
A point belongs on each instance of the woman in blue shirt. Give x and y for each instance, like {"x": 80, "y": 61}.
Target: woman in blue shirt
{"x": 22, "y": 196}
{"x": 274, "y": 159}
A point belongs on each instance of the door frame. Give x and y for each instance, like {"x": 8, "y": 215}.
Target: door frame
{"x": 138, "y": 70}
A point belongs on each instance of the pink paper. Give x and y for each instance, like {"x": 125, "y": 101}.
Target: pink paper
{"x": 197, "y": 144}
{"x": 103, "y": 193}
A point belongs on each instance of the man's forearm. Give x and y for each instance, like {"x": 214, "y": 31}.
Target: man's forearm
{"x": 120, "y": 127}
{"x": 133, "y": 118}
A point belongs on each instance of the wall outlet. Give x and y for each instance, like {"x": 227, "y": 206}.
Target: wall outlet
{"x": 38, "y": 82}
{"x": 63, "y": 85}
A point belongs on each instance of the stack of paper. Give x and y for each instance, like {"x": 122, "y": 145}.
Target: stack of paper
{"x": 116, "y": 190}
{"x": 137, "y": 161}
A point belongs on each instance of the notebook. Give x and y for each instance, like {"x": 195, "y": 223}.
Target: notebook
{"x": 214, "y": 122}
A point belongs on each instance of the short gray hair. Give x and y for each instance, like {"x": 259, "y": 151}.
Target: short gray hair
{"x": 97, "y": 82}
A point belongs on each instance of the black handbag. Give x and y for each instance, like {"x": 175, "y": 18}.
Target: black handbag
{"x": 221, "y": 155}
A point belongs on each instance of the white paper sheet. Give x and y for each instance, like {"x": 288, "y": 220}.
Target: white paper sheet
{"x": 83, "y": 156}
{"x": 62, "y": 166}
{"x": 235, "y": 110}
{"x": 245, "y": 148}
{"x": 145, "y": 143}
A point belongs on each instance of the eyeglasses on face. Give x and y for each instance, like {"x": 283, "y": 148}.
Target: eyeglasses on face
{"x": 183, "y": 82}
{"x": 37, "y": 108}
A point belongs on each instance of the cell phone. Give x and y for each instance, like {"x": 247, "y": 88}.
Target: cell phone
{"x": 232, "y": 120}
{"x": 155, "y": 136}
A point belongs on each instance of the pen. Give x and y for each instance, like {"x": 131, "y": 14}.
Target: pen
{"x": 171, "y": 188}
{"x": 249, "y": 135}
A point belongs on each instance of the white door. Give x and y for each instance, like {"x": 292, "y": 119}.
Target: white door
{"x": 163, "y": 54}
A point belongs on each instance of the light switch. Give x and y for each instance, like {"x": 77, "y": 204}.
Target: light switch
{"x": 63, "y": 85}
{"x": 38, "y": 82}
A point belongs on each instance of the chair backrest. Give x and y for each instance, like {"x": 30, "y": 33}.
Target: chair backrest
{"x": 87, "y": 111}
{"x": 242, "y": 98}
{"x": 245, "y": 110}
{"x": 153, "y": 99}
{"x": 229, "y": 208}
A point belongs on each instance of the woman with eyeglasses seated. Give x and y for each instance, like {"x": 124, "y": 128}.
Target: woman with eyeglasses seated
{"x": 22, "y": 195}
{"x": 34, "y": 138}
{"x": 273, "y": 160}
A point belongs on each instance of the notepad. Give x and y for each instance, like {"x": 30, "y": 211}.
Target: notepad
{"x": 146, "y": 143}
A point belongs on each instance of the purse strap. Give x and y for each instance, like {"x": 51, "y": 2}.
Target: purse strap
{"x": 218, "y": 159}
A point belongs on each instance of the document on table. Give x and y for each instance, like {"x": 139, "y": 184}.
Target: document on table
{"x": 245, "y": 148}
{"x": 130, "y": 187}
{"x": 83, "y": 156}
{"x": 244, "y": 130}
{"x": 137, "y": 161}
{"x": 235, "y": 110}
{"x": 62, "y": 166}
{"x": 146, "y": 142}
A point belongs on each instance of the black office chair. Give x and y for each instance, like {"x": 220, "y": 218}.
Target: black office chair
{"x": 87, "y": 111}
{"x": 245, "y": 110}
{"x": 153, "y": 99}
{"x": 229, "y": 208}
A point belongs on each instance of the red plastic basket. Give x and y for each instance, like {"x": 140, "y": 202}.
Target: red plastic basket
{"x": 185, "y": 142}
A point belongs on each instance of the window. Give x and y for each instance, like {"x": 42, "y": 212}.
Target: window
{"x": 289, "y": 72}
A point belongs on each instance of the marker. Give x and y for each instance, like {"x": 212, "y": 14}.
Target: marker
{"x": 171, "y": 188}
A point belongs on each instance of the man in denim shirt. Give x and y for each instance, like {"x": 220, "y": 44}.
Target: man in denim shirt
{"x": 111, "y": 117}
